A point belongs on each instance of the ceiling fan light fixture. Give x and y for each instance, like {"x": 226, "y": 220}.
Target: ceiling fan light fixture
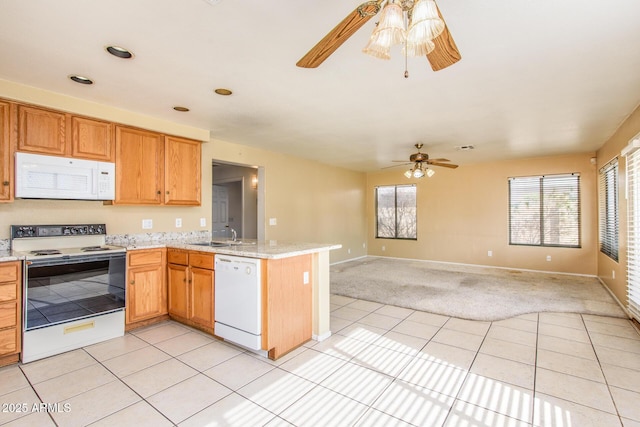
{"x": 425, "y": 21}
{"x": 430, "y": 173}
{"x": 389, "y": 31}
{"x": 409, "y": 173}
{"x": 418, "y": 173}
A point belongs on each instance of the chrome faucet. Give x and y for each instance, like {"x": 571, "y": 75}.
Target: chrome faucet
{"x": 234, "y": 235}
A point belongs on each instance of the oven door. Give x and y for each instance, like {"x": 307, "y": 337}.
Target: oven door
{"x": 62, "y": 289}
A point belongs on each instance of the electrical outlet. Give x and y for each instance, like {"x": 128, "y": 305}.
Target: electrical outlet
{"x": 147, "y": 224}
{"x": 273, "y": 221}
{"x": 203, "y": 222}
{"x": 178, "y": 222}
{"x": 348, "y": 251}
{"x": 305, "y": 278}
{"x": 364, "y": 245}
{"x": 383, "y": 248}
{"x": 613, "y": 274}
{"x": 489, "y": 253}
{"x": 548, "y": 257}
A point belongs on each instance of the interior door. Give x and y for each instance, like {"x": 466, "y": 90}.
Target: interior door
{"x": 220, "y": 211}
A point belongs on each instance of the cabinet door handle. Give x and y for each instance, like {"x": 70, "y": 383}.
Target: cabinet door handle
{"x": 167, "y": 192}
{"x": 5, "y": 182}
{"x": 133, "y": 282}
{"x": 159, "y": 192}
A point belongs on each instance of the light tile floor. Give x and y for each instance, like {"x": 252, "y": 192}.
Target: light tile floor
{"x": 383, "y": 366}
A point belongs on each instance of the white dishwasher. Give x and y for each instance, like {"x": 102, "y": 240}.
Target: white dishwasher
{"x": 238, "y": 300}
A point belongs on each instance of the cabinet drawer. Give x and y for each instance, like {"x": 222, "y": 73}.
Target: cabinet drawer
{"x": 177, "y": 257}
{"x": 9, "y": 272}
{"x": 145, "y": 258}
{"x": 8, "y": 341}
{"x": 201, "y": 260}
{"x": 8, "y": 291}
{"x": 8, "y": 314}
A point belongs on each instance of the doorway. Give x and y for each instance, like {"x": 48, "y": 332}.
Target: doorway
{"x": 236, "y": 201}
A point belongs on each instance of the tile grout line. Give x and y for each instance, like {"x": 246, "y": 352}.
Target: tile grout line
{"x": 606, "y": 381}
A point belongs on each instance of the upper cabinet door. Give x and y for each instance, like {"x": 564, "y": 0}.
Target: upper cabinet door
{"x": 182, "y": 171}
{"x": 92, "y": 139}
{"x": 42, "y": 131}
{"x": 6, "y": 155}
{"x": 139, "y": 166}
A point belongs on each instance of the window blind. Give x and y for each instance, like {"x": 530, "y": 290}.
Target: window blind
{"x": 632, "y": 155}
{"x": 545, "y": 210}
{"x": 608, "y": 209}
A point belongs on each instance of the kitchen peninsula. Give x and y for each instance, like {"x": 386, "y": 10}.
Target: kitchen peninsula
{"x": 295, "y": 284}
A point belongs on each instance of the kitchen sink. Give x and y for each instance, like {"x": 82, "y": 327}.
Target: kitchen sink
{"x": 212, "y": 244}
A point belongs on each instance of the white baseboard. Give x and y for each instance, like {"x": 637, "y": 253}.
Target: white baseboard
{"x": 482, "y": 266}
{"x": 615, "y": 298}
{"x": 349, "y": 260}
{"x": 321, "y": 337}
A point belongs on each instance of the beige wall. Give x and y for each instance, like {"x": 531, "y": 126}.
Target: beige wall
{"x": 463, "y": 213}
{"x": 312, "y": 202}
{"x": 612, "y": 273}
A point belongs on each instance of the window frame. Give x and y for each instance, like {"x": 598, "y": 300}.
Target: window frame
{"x": 542, "y": 218}
{"x": 609, "y": 210}
{"x": 377, "y": 221}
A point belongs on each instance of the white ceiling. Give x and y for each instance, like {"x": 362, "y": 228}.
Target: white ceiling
{"x": 536, "y": 77}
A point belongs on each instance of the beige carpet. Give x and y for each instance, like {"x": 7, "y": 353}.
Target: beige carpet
{"x": 468, "y": 292}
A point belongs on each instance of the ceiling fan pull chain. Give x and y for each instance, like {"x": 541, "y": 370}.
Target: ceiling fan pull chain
{"x": 406, "y": 46}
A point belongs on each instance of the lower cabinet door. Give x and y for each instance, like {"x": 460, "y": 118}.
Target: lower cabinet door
{"x": 146, "y": 293}
{"x": 178, "y": 290}
{"x": 202, "y": 296}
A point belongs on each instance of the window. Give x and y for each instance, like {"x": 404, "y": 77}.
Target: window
{"x": 545, "y": 210}
{"x": 608, "y": 209}
{"x": 396, "y": 212}
{"x": 632, "y": 154}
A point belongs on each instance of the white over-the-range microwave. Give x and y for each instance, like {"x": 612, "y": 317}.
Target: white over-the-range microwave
{"x": 52, "y": 177}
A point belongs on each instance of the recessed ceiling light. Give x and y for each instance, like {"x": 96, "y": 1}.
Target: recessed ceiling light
{"x": 181, "y": 109}
{"x": 81, "y": 79}
{"x": 223, "y": 92}
{"x": 120, "y": 52}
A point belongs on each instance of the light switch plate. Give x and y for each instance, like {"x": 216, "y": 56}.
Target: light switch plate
{"x": 203, "y": 222}
{"x": 147, "y": 224}
{"x": 178, "y": 222}
{"x": 273, "y": 221}
{"x": 305, "y": 278}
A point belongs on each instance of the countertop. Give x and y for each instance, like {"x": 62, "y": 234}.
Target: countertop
{"x": 8, "y": 255}
{"x": 267, "y": 249}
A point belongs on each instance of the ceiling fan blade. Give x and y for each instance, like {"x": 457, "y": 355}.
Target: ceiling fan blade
{"x": 395, "y": 166}
{"x": 439, "y": 160}
{"x": 341, "y": 33}
{"x": 446, "y": 165}
{"x": 446, "y": 52}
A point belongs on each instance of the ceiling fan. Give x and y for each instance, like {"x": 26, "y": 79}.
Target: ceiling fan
{"x": 444, "y": 50}
{"x": 421, "y": 163}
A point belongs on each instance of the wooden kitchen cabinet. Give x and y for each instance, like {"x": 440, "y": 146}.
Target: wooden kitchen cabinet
{"x": 146, "y": 285}
{"x": 92, "y": 139}
{"x": 191, "y": 280}
{"x": 182, "y": 174}
{"x": 286, "y": 305}
{"x": 139, "y": 167}
{"x": 10, "y": 311}
{"x": 6, "y": 151}
{"x": 50, "y": 132}
{"x": 42, "y": 131}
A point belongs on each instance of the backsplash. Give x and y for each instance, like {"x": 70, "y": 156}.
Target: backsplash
{"x": 5, "y": 244}
{"x": 160, "y": 237}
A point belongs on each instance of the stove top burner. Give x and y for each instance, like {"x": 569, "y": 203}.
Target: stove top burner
{"x": 41, "y": 252}
{"x": 94, "y": 248}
